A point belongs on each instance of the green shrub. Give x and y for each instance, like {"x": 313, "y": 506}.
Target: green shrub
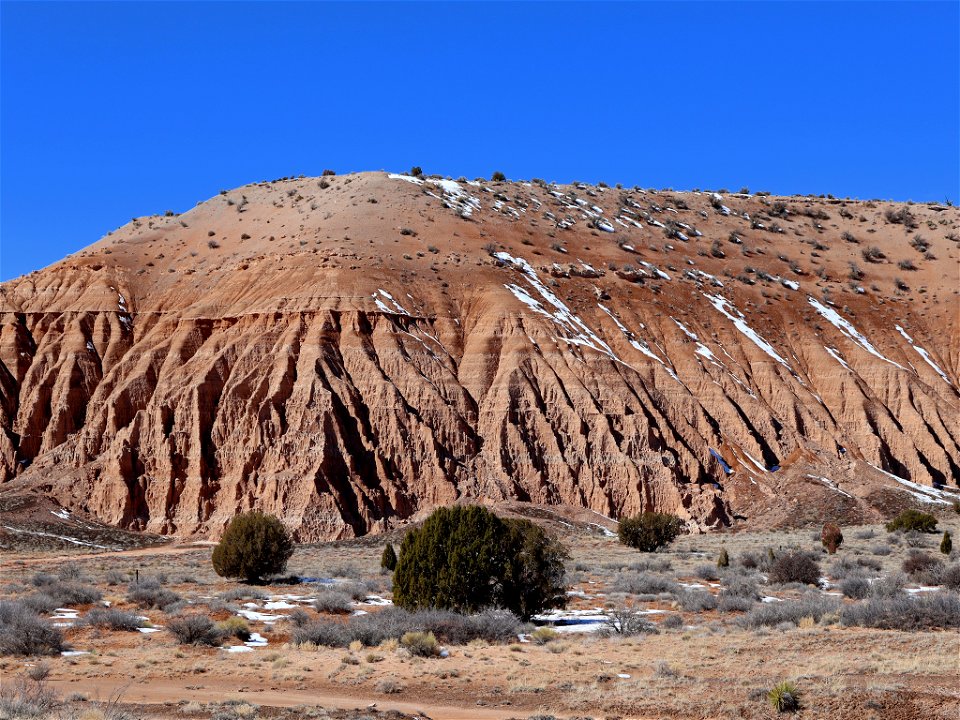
{"x": 649, "y": 531}
{"x": 498, "y": 177}
{"x": 784, "y": 697}
{"x": 416, "y": 171}
{"x": 388, "y": 561}
{"x": 913, "y": 520}
{"x": 946, "y": 545}
{"x": 724, "y": 559}
{"x": 465, "y": 558}
{"x": 831, "y": 537}
{"x": 421, "y": 644}
{"x": 253, "y": 546}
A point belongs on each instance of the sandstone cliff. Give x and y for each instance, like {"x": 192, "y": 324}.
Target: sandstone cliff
{"x": 347, "y": 352}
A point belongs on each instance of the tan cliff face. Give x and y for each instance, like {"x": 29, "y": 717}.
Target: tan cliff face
{"x": 347, "y": 352}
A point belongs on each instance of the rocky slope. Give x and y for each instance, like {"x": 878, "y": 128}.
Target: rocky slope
{"x": 349, "y": 351}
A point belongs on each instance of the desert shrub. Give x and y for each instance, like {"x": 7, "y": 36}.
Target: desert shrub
{"x": 421, "y": 644}
{"x": 872, "y": 254}
{"x": 113, "y": 619}
{"x": 627, "y": 621}
{"x": 950, "y": 577}
{"x": 734, "y": 603}
{"x": 792, "y": 611}
{"x": 696, "y": 600}
{"x": 543, "y": 635}
{"x": 328, "y": 172}
{"x": 465, "y": 558}
{"x": 332, "y": 601}
{"x": 738, "y": 586}
{"x": 243, "y": 593}
{"x": 831, "y": 537}
{"x": 28, "y": 696}
{"x": 388, "y": 561}
{"x": 115, "y": 577}
{"x": 639, "y": 583}
{"x": 42, "y": 579}
{"x": 393, "y": 623}
{"x": 796, "y": 567}
{"x": 921, "y": 566}
{"x": 890, "y": 586}
{"x": 923, "y": 612}
{"x": 23, "y": 632}
{"x": 649, "y": 531}
{"x": 749, "y": 560}
{"x": 672, "y": 621}
{"x": 63, "y": 590}
{"x": 253, "y": 546}
{"x": 322, "y": 632}
{"x": 40, "y": 603}
{"x": 723, "y": 560}
{"x": 913, "y": 520}
{"x": 946, "y": 544}
{"x": 706, "y": 572}
{"x": 498, "y": 177}
{"x": 149, "y": 593}
{"x": 856, "y": 587}
{"x": 195, "y": 630}
{"x": 784, "y": 697}
{"x": 298, "y": 617}
{"x": 234, "y": 627}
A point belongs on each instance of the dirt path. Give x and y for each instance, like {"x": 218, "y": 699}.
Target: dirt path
{"x": 171, "y": 549}
{"x": 157, "y": 691}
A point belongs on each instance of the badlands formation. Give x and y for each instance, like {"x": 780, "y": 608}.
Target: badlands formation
{"x": 347, "y": 352}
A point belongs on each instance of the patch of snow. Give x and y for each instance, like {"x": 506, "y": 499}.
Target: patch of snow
{"x": 278, "y": 605}
{"x": 74, "y": 653}
{"x": 792, "y": 284}
{"x": 920, "y": 492}
{"x": 62, "y": 513}
{"x": 407, "y": 178}
{"x": 830, "y": 484}
{"x": 847, "y": 328}
{"x": 836, "y": 356}
{"x": 74, "y": 541}
{"x": 924, "y": 354}
{"x": 722, "y": 305}
{"x": 577, "y": 332}
{"x": 148, "y": 630}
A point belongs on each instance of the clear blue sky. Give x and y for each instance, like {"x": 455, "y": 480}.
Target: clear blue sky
{"x": 112, "y": 110}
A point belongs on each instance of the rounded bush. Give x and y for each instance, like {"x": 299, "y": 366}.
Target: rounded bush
{"x": 465, "y": 558}
{"x": 795, "y": 567}
{"x": 253, "y": 546}
{"x": 388, "y": 561}
{"x": 649, "y": 531}
{"x": 913, "y": 520}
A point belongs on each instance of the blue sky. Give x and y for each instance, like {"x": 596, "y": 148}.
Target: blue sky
{"x": 112, "y": 110}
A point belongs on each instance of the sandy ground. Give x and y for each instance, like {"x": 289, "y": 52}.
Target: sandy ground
{"x": 710, "y": 667}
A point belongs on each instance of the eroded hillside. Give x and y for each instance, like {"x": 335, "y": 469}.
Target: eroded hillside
{"x": 348, "y": 351}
